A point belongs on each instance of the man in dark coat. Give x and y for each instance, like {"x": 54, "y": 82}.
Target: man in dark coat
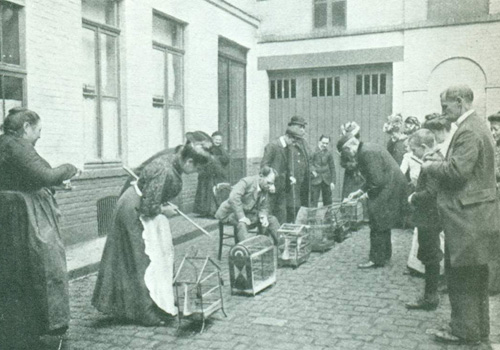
{"x": 298, "y": 191}
{"x": 386, "y": 189}
{"x": 468, "y": 206}
{"x": 276, "y": 157}
{"x": 323, "y": 173}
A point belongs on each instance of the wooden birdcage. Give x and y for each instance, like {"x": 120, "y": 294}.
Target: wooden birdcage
{"x": 252, "y": 265}
{"x": 352, "y": 211}
{"x": 296, "y": 247}
{"x": 342, "y": 225}
{"x": 198, "y": 288}
{"x": 320, "y": 225}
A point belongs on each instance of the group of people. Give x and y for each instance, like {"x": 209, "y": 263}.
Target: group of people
{"x": 443, "y": 170}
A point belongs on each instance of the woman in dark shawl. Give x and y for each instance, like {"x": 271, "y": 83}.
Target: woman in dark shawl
{"x": 213, "y": 173}
{"x": 34, "y": 297}
{"x": 132, "y": 283}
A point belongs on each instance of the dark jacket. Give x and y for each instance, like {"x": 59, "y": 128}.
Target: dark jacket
{"x": 466, "y": 199}
{"x": 22, "y": 168}
{"x": 397, "y": 149}
{"x": 322, "y": 162}
{"x": 424, "y": 202}
{"x": 276, "y": 157}
{"x": 385, "y": 184}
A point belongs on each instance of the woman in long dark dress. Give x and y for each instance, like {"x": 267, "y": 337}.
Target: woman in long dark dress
{"x": 136, "y": 271}
{"x": 213, "y": 173}
{"x": 34, "y": 297}
{"x": 353, "y": 180}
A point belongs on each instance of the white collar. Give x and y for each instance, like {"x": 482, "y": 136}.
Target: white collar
{"x": 282, "y": 141}
{"x": 464, "y": 116}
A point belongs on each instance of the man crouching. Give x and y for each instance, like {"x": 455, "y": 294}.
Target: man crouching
{"x": 247, "y": 206}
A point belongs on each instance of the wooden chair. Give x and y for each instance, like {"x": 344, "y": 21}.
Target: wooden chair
{"x": 221, "y": 193}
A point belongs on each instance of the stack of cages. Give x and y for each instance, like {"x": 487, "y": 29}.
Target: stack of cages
{"x": 341, "y": 223}
{"x": 352, "y": 211}
{"x": 321, "y": 226}
{"x": 295, "y": 246}
{"x": 198, "y": 288}
{"x": 252, "y": 265}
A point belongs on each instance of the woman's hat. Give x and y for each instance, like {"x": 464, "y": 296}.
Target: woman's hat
{"x": 494, "y": 117}
{"x": 350, "y": 127}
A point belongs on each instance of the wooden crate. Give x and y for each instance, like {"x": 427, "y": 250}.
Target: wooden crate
{"x": 252, "y": 265}
{"x": 295, "y": 248}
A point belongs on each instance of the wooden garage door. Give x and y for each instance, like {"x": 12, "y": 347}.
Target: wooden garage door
{"x": 327, "y": 98}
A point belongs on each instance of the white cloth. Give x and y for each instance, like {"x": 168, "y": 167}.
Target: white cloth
{"x": 409, "y": 163}
{"x": 160, "y": 250}
{"x": 413, "y": 262}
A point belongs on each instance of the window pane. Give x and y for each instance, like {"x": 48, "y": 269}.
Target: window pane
{"x": 10, "y": 34}
{"x": 110, "y": 129}
{"x": 175, "y": 130}
{"x": 174, "y": 78}
{"x": 367, "y": 84}
{"x": 322, "y": 87}
{"x": 337, "y": 86}
{"x": 382, "y": 83}
{"x": 102, "y": 11}
{"x": 167, "y": 32}
{"x": 158, "y": 66}
{"x": 89, "y": 61}
{"x": 374, "y": 84}
{"x": 338, "y": 14}
{"x": 329, "y": 86}
{"x": 359, "y": 84}
{"x": 314, "y": 87}
{"x": 273, "y": 89}
{"x": 12, "y": 92}
{"x": 279, "y": 88}
{"x": 109, "y": 65}
{"x": 286, "y": 83}
{"x": 320, "y": 14}
{"x": 90, "y": 125}
{"x": 156, "y": 130}
{"x": 293, "y": 88}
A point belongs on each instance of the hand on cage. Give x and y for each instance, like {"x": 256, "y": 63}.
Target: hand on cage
{"x": 293, "y": 180}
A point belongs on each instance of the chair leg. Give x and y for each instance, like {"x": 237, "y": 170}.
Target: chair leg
{"x": 221, "y": 238}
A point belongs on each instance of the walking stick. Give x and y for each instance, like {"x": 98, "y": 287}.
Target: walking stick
{"x": 131, "y": 173}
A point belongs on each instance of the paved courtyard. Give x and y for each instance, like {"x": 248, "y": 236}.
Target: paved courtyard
{"x": 326, "y": 303}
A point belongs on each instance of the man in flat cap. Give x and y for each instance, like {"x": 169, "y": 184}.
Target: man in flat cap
{"x": 289, "y": 156}
{"x": 386, "y": 189}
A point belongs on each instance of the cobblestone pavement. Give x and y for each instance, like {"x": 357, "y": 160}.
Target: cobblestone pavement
{"x": 326, "y": 303}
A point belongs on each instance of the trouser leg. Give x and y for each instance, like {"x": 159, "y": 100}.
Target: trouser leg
{"x": 380, "y": 246}
{"x": 272, "y": 229}
{"x": 315, "y": 191}
{"x": 431, "y": 282}
{"x": 241, "y": 232}
{"x": 326, "y": 194}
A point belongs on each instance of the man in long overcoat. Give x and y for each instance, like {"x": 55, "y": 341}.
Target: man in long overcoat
{"x": 468, "y": 208}
{"x": 276, "y": 157}
{"x": 386, "y": 189}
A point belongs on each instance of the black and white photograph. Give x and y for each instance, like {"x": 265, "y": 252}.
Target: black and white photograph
{"x": 249, "y": 174}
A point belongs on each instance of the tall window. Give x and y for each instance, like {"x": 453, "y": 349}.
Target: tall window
{"x": 12, "y": 72}
{"x": 329, "y": 13}
{"x": 168, "y": 102}
{"x": 100, "y": 84}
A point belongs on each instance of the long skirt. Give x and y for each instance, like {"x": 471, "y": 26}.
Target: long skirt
{"x": 204, "y": 203}
{"x": 34, "y": 297}
{"x": 136, "y": 271}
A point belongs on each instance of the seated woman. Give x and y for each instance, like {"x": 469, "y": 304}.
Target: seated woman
{"x": 34, "y": 297}
{"x": 132, "y": 283}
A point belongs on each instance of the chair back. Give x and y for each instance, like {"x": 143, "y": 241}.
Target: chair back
{"x": 221, "y": 192}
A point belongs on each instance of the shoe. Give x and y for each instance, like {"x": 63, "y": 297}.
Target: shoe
{"x": 369, "y": 265}
{"x": 448, "y": 338}
{"x": 422, "y": 304}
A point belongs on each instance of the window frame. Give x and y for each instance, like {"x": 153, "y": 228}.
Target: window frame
{"x": 10, "y": 69}
{"x": 106, "y": 29}
{"x": 166, "y": 104}
{"x": 329, "y": 15}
